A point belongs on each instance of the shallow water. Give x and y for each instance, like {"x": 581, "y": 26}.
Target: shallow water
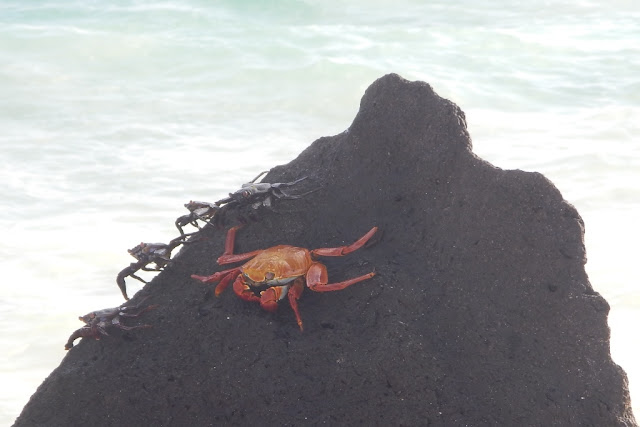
{"x": 113, "y": 116}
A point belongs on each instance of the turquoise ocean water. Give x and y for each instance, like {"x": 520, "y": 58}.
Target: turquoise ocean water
{"x": 113, "y": 114}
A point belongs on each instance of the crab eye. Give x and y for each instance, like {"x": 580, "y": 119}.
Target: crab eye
{"x": 269, "y": 276}
{"x": 246, "y": 194}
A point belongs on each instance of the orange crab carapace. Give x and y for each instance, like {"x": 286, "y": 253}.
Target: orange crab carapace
{"x": 280, "y": 271}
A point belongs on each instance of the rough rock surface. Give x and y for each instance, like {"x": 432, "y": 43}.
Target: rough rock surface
{"x": 481, "y": 312}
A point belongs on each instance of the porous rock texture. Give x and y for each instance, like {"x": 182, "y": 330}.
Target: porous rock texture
{"x": 481, "y": 312}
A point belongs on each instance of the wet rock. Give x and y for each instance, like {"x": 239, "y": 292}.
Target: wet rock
{"x": 480, "y": 313}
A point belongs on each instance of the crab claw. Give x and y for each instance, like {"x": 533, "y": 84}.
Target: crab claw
{"x": 85, "y": 331}
{"x": 269, "y": 298}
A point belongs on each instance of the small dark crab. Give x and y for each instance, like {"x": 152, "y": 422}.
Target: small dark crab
{"x": 98, "y": 321}
{"x": 147, "y": 253}
{"x": 254, "y": 194}
{"x": 203, "y": 211}
{"x": 259, "y": 194}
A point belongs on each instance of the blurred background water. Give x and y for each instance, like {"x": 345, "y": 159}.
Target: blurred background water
{"x": 114, "y": 114}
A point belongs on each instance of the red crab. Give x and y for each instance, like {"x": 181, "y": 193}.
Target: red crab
{"x": 280, "y": 271}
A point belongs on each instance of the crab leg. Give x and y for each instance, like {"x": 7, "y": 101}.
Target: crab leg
{"x": 225, "y": 277}
{"x": 128, "y": 271}
{"x": 125, "y": 314}
{"x": 344, "y": 250}
{"x": 256, "y": 178}
{"x": 282, "y": 195}
{"x": 150, "y": 269}
{"x": 317, "y": 279}
{"x": 295, "y": 291}
{"x": 289, "y": 184}
{"x": 215, "y": 276}
{"x": 228, "y": 256}
{"x": 202, "y": 219}
{"x": 130, "y": 328}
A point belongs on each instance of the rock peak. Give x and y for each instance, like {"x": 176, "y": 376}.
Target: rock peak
{"x": 481, "y": 312}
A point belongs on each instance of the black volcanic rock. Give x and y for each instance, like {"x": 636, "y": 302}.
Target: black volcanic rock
{"x": 481, "y": 312}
